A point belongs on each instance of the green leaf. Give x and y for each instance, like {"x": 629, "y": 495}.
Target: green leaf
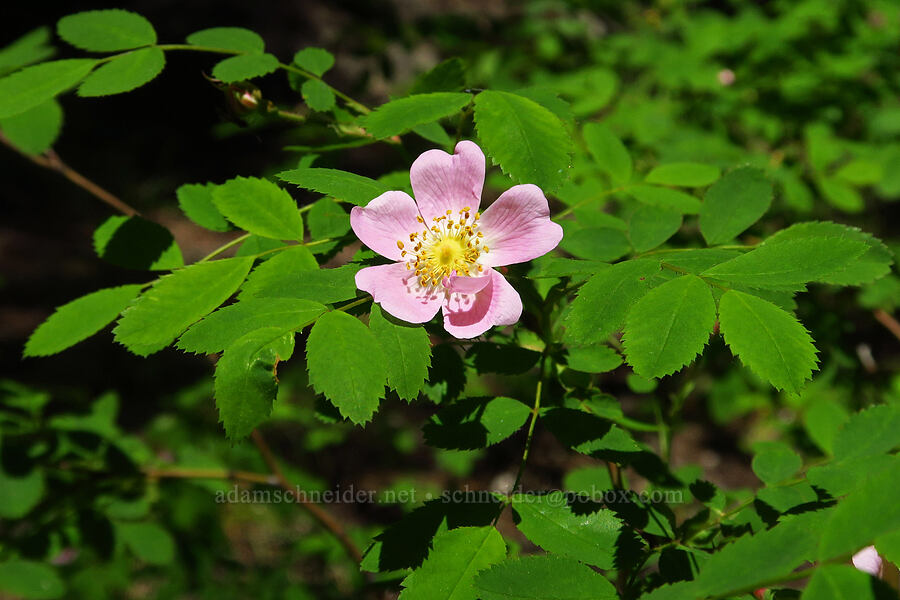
{"x": 844, "y": 582}
{"x": 650, "y": 226}
{"x": 473, "y": 423}
{"x": 245, "y": 379}
{"x": 19, "y": 494}
{"x": 822, "y": 420}
{"x": 196, "y": 201}
{"x": 455, "y": 559}
{"x": 860, "y": 172}
{"x": 222, "y": 328}
{"x": 875, "y": 430}
{"x": 768, "y": 340}
{"x": 840, "y": 195}
{"x": 408, "y": 350}
{"x": 447, "y": 76}
{"x": 106, "y": 30}
{"x": 665, "y": 198}
{"x": 667, "y": 328}
{"x": 149, "y": 542}
{"x": 244, "y": 66}
{"x": 237, "y": 39}
{"x": 136, "y": 243}
{"x": 596, "y": 243}
{"x": 789, "y": 264}
{"x": 683, "y": 174}
{"x": 317, "y": 95}
{"x": 176, "y": 301}
{"x": 874, "y": 263}
{"x": 733, "y": 204}
{"x": 775, "y": 461}
{"x": 260, "y": 207}
{"x": 555, "y": 266}
{"x": 433, "y": 132}
{"x": 36, "y": 129}
{"x": 609, "y": 152}
{"x": 79, "y": 319}
{"x": 548, "y": 522}
{"x": 528, "y": 141}
{"x": 403, "y": 114}
{"x": 271, "y": 280}
{"x": 315, "y": 60}
{"x": 30, "y": 580}
{"x": 124, "y": 73}
{"x": 342, "y": 185}
{"x": 599, "y": 310}
{"x": 326, "y": 219}
{"x": 547, "y": 577}
{"x": 869, "y": 511}
{"x": 347, "y": 365}
{"x": 268, "y": 275}
{"x": 30, "y": 48}
{"x": 37, "y": 84}
{"x": 593, "y": 359}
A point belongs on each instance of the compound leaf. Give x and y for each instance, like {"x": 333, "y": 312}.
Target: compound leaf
{"x": 108, "y": 30}
{"x": 547, "y": 577}
{"x": 408, "y": 350}
{"x": 124, "y": 73}
{"x": 37, "y": 84}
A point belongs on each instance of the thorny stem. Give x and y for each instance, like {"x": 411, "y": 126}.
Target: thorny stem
{"x": 317, "y": 512}
{"x": 50, "y": 160}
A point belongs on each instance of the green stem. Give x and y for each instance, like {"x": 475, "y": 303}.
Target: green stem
{"x": 354, "y": 304}
{"x": 666, "y": 265}
{"x": 224, "y": 247}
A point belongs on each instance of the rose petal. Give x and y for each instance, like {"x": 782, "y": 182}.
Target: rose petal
{"x": 466, "y": 285}
{"x": 868, "y": 560}
{"x": 443, "y": 182}
{"x": 470, "y": 315}
{"x": 517, "y": 227}
{"x": 387, "y": 219}
{"x": 398, "y": 292}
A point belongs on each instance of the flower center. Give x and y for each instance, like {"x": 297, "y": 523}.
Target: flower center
{"x": 448, "y": 246}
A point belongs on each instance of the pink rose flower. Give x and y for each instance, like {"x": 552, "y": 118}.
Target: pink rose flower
{"x": 869, "y": 561}
{"x": 445, "y": 250}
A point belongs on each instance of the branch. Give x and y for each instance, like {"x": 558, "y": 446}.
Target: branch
{"x": 888, "y": 321}
{"x": 50, "y": 160}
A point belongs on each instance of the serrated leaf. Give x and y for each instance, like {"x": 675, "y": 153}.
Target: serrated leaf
{"x": 124, "y": 73}
{"x": 36, "y": 129}
{"x": 733, "y": 204}
{"x": 342, "y": 185}
{"x": 789, "y": 264}
{"x": 844, "y": 582}
{"x": 649, "y": 226}
{"x": 665, "y": 198}
{"x": 768, "y": 340}
{"x": 874, "y": 263}
{"x": 599, "y": 310}
{"x": 547, "y": 577}
{"x": 326, "y": 219}
{"x": 30, "y": 580}
{"x": 775, "y": 461}
{"x": 548, "y": 522}
{"x": 149, "y": 542}
{"x": 528, "y": 141}
{"x": 875, "y": 430}
{"x": 106, "y": 30}
{"x": 315, "y": 60}
{"x": 447, "y": 76}
{"x": 667, "y": 328}
{"x": 698, "y": 260}
{"x": 593, "y": 359}
{"x": 317, "y": 95}
{"x": 408, "y": 349}
{"x": 222, "y": 328}
{"x": 30, "y": 48}
{"x": 401, "y": 115}
{"x": 683, "y": 174}
{"x": 136, "y": 243}
{"x": 271, "y": 280}
{"x": 596, "y": 243}
{"x": 244, "y": 66}
{"x": 608, "y": 151}
{"x": 245, "y": 379}
{"x": 196, "y": 202}
{"x": 555, "y": 266}
{"x": 237, "y": 39}
{"x": 822, "y": 419}
{"x": 455, "y": 559}
{"x": 37, "y": 84}
{"x": 268, "y": 274}
{"x": 473, "y": 423}
{"x": 346, "y": 364}
{"x": 176, "y": 301}
{"x": 260, "y": 207}
{"x": 433, "y": 132}
{"x": 79, "y": 319}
